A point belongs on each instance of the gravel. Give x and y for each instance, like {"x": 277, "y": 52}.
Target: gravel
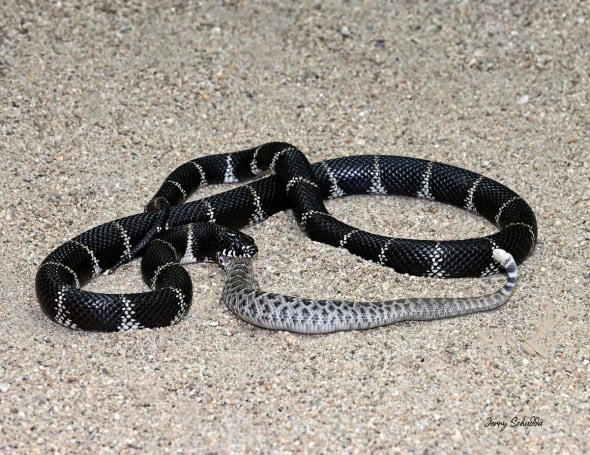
{"x": 101, "y": 100}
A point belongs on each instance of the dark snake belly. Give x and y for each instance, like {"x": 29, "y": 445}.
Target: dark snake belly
{"x": 298, "y": 186}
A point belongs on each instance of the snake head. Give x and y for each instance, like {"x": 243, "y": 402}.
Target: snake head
{"x": 234, "y": 244}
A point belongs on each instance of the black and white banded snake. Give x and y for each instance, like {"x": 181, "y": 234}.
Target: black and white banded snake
{"x": 302, "y": 187}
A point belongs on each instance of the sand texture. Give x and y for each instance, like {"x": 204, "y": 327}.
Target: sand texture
{"x": 100, "y": 101}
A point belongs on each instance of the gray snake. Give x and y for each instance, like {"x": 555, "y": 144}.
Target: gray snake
{"x": 282, "y": 312}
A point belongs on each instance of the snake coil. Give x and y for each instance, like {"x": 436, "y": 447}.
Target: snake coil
{"x": 296, "y": 185}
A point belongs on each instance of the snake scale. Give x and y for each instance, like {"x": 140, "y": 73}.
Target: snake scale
{"x": 166, "y": 229}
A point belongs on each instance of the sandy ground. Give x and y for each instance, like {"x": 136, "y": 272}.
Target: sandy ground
{"x": 99, "y": 103}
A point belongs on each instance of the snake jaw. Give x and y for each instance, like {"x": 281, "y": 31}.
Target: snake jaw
{"x": 222, "y": 259}
{"x": 245, "y": 251}
{"x": 223, "y": 255}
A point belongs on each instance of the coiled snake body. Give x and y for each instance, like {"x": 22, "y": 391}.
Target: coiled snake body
{"x": 296, "y": 185}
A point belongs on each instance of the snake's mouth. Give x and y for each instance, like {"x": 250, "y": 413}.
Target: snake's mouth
{"x": 243, "y": 251}
{"x": 222, "y": 258}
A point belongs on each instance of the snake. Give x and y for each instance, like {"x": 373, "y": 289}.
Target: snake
{"x": 170, "y": 227}
{"x": 242, "y": 296}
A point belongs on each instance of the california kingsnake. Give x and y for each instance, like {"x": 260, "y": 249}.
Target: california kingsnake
{"x": 296, "y": 185}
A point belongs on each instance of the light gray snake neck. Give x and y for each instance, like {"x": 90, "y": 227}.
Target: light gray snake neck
{"x": 294, "y": 314}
